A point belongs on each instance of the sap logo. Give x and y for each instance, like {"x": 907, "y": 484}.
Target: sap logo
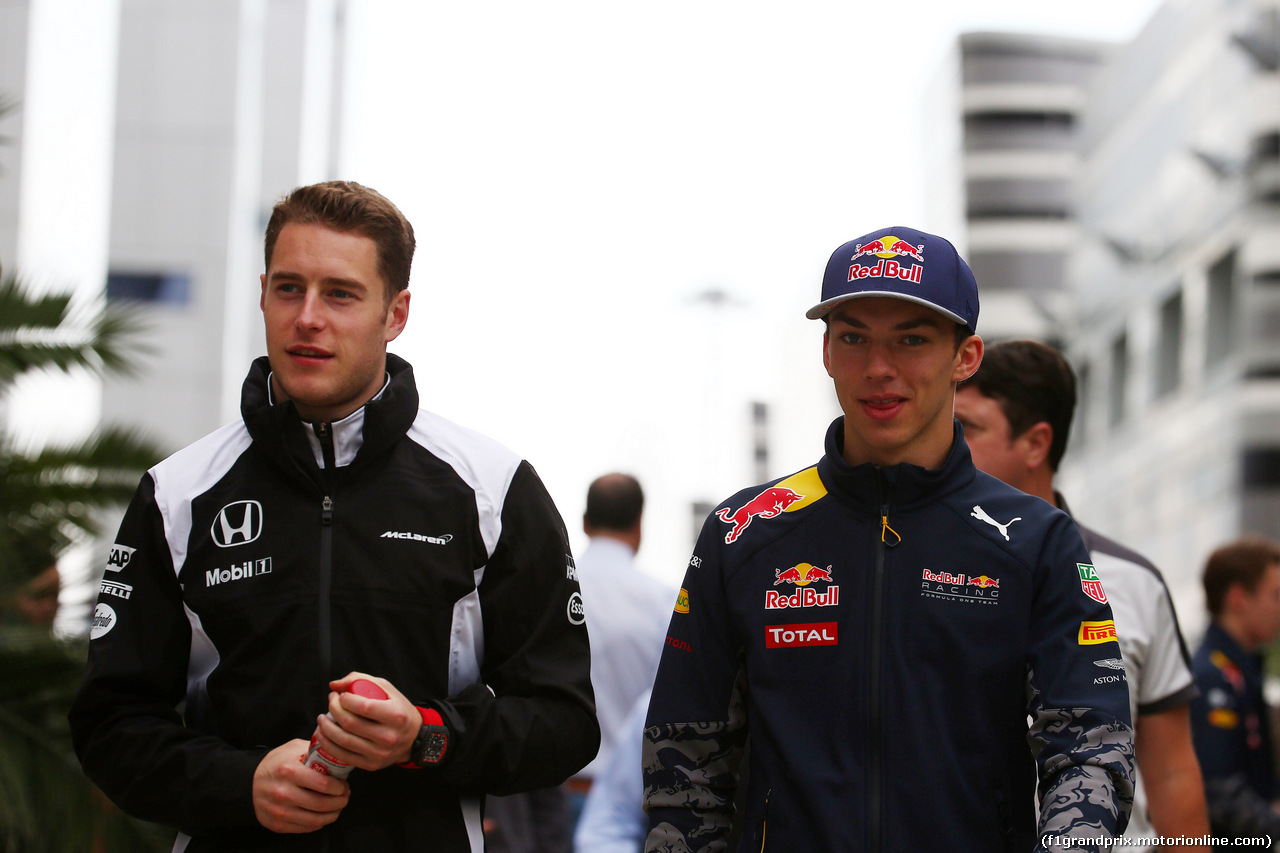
{"x": 119, "y": 590}
{"x": 119, "y": 557}
{"x": 247, "y": 569}
{"x": 577, "y": 613}
{"x": 104, "y": 619}
{"x": 237, "y": 523}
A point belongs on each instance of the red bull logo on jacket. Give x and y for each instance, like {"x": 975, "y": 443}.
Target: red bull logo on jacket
{"x": 770, "y": 503}
{"x": 980, "y": 589}
{"x": 802, "y": 574}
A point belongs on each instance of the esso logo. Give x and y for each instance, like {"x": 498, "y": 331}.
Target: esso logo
{"x": 577, "y": 614}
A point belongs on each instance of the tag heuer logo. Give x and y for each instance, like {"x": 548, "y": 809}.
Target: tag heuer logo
{"x": 237, "y": 523}
{"x": 1090, "y": 583}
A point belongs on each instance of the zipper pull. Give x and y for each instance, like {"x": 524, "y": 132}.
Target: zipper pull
{"x": 885, "y": 529}
{"x": 326, "y": 510}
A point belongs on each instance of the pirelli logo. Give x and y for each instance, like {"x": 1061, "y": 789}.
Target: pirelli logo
{"x": 1094, "y": 633}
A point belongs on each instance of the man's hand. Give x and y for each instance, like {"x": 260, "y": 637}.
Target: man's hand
{"x": 288, "y": 796}
{"x": 368, "y": 733}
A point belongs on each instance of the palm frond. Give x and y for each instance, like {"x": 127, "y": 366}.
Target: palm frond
{"x": 47, "y": 331}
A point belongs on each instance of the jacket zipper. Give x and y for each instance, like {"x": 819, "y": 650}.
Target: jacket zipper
{"x": 889, "y": 538}
{"x": 764, "y": 822}
{"x": 325, "y": 433}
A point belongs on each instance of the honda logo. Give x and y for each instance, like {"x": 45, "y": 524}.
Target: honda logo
{"x": 237, "y": 524}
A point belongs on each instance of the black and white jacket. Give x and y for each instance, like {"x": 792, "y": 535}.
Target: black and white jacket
{"x": 272, "y": 556}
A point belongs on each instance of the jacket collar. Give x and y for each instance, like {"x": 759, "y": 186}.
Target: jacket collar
{"x": 904, "y": 485}
{"x": 373, "y": 428}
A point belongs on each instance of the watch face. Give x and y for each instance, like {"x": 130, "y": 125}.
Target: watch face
{"x": 430, "y": 745}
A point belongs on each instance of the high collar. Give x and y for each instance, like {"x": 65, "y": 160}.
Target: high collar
{"x": 373, "y": 428}
{"x": 1247, "y": 662}
{"x": 905, "y": 485}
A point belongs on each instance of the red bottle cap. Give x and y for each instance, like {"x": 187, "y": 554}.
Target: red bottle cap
{"x": 367, "y": 689}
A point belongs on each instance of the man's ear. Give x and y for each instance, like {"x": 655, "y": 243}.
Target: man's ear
{"x": 1036, "y": 442}
{"x": 397, "y": 315}
{"x": 968, "y": 358}
{"x": 826, "y": 353}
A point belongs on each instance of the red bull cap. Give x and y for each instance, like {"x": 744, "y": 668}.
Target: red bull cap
{"x": 902, "y": 263}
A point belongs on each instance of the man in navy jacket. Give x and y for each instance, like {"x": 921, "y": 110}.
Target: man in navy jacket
{"x": 881, "y": 625}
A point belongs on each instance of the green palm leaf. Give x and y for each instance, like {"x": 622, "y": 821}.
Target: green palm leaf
{"x": 50, "y": 499}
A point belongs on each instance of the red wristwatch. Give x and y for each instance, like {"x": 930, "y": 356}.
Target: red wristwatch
{"x": 432, "y": 742}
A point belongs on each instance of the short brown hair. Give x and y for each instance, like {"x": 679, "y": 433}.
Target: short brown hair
{"x": 1243, "y": 562}
{"x": 1031, "y": 382}
{"x": 348, "y": 206}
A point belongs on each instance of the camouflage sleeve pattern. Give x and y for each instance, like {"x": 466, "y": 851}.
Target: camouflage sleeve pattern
{"x": 1081, "y": 735}
{"x": 692, "y": 768}
{"x": 1090, "y": 773}
{"x": 696, "y": 726}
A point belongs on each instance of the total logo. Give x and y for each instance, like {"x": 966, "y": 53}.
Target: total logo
{"x": 981, "y": 589}
{"x": 808, "y": 634}
{"x": 238, "y": 572}
{"x": 802, "y": 574}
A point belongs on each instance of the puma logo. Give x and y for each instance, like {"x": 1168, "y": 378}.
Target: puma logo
{"x": 981, "y": 514}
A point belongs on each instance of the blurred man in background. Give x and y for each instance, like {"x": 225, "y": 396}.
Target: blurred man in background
{"x": 1230, "y": 719}
{"x": 1016, "y": 412}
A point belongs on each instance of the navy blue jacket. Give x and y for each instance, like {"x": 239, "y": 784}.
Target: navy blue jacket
{"x": 883, "y": 634}
{"x": 1233, "y": 739}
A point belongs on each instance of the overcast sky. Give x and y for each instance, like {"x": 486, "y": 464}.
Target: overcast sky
{"x": 578, "y": 172}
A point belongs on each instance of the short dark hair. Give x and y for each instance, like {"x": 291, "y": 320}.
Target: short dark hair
{"x": 1032, "y": 382}
{"x": 348, "y": 206}
{"x": 614, "y": 502}
{"x": 1242, "y": 562}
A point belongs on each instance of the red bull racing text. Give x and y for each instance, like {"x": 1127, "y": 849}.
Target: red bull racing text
{"x": 961, "y": 588}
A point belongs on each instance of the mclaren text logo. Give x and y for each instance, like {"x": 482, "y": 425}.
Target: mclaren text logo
{"x": 418, "y": 537}
{"x": 238, "y": 572}
{"x": 237, "y": 523}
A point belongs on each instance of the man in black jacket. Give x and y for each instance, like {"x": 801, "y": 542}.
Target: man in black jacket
{"x": 336, "y": 533}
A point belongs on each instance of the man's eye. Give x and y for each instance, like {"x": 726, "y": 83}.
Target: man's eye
{"x": 914, "y": 340}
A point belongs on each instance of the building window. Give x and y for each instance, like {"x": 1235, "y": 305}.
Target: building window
{"x": 165, "y": 288}
{"x": 1119, "y": 378}
{"x": 1221, "y": 309}
{"x": 1169, "y": 345}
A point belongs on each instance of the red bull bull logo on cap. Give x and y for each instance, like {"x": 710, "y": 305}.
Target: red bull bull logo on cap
{"x": 802, "y": 574}
{"x": 887, "y": 249}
